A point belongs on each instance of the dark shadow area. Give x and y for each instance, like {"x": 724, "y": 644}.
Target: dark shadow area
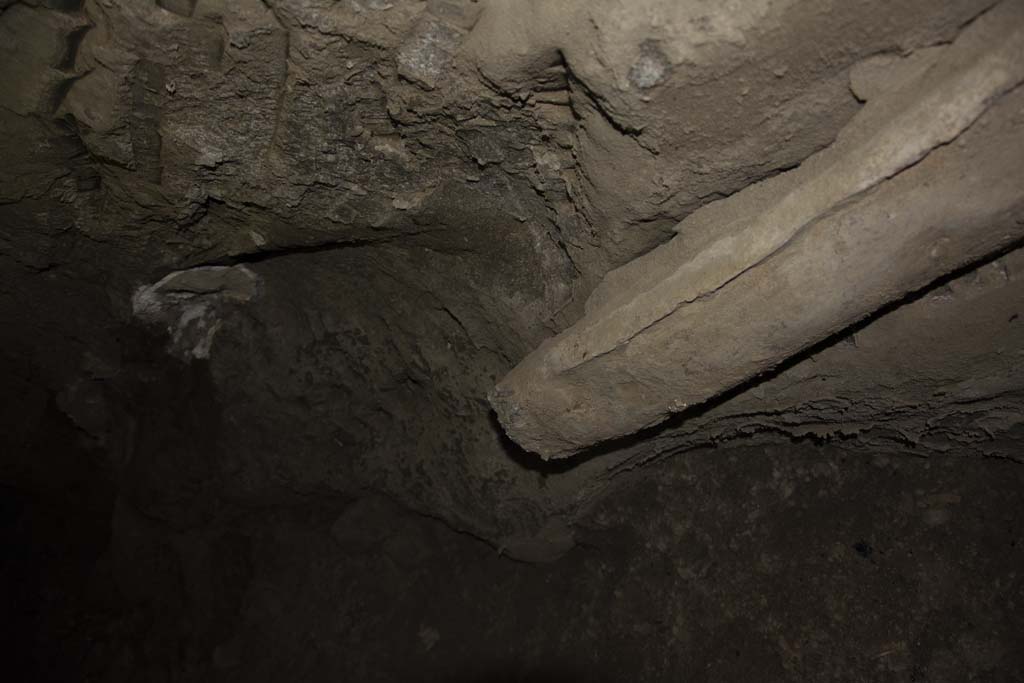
{"x": 56, "y": 501}
{"x": 551, "y": 675}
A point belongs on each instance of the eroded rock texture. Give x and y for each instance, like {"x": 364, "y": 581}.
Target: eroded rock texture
{"x": 266, "y": 259}
{"x": 755, "y": 279}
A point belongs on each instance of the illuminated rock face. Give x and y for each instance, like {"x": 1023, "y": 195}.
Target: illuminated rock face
{"x": 753, "y": 280}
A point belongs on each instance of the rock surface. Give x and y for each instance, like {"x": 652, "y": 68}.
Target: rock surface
{"x": 264, "y": 259}
{"x": 755, "y": 279}
{"x": 416, "y": 235}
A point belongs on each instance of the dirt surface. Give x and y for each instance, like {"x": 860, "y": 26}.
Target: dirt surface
{"x": 777, "y": 564}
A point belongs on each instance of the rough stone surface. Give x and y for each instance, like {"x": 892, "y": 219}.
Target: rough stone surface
{"x": 189, "y": 304}
{"x": 887, "y": 209}
{"x": 416, "y": 241}
{"x": 425, "y": 192}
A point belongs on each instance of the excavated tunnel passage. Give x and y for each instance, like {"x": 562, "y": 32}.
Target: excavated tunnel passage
{"x": 512, "y": 340}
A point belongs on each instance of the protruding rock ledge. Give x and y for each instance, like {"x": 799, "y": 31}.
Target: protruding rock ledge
{"x": 190, "y": 304}
{"x": 757, "y": 278}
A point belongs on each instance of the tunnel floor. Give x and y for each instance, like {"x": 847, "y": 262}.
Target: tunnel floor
{"x": 792, "y": 563}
